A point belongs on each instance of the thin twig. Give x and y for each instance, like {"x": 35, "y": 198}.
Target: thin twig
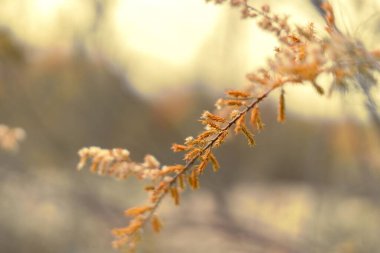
{"x": 210, "y": 144}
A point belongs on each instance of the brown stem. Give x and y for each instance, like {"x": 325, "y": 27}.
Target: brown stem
{"x": 210, "y": 144}
{"x": 259, "y": 12}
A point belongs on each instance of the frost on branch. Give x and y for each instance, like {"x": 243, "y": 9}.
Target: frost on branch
{"x": 117, "y": 163}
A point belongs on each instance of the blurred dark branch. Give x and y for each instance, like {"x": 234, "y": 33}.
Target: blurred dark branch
{"x": 365, "y": 83}
{"x": 99, "y": 10}
{"x": 317, "y": 4}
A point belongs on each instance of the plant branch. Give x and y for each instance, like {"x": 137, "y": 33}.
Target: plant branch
{"x": 210, "y": 144}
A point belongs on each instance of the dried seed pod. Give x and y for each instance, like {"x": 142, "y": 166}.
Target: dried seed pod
{"x": 249, "y": 135}
{"x": 256, "y": 118}
{"x": 281, "y": 107}
{"x": 215, "y": 163}
{"x": 178, "y": 148}
{"x": 175, "y": 195}
{"x": 238, "y": 93}
{"x": 134, "y": 211}
{"x": 156, "y": 224}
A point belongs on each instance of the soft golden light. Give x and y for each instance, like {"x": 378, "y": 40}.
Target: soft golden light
{"x": 170, "y": 43}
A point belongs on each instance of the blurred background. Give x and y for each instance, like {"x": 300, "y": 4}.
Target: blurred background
{"x": 137, "y": 75}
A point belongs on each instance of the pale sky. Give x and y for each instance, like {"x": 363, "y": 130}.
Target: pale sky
{"x": 169, "y": 42}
